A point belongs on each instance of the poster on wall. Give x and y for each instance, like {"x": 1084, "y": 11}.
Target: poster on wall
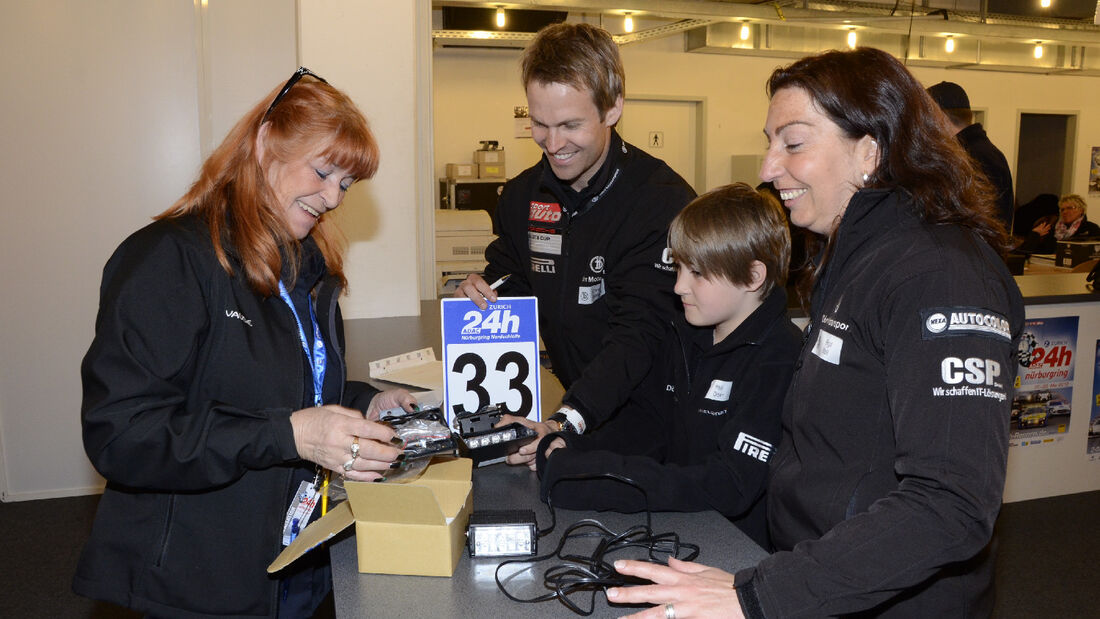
{"x": 1044, "y": 381}
{"x": 1094, "y": 170}
{"x": 1093, "y": 448}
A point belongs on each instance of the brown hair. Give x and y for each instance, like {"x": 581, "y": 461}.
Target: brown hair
{"x": 866, "y": 91}
{"x": 579, "y": 55}
{"x": 237, "y": 203}
{"x": 723, "y": 231}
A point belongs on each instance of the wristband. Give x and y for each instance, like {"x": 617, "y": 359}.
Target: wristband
{"x": 570, "y": 420}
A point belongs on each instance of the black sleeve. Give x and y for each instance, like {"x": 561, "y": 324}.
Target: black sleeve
{"x": 729, "y": 480}
{"x": 140, "y": 428}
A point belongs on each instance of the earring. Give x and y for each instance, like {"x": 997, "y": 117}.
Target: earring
{"x": 866, "y": 177}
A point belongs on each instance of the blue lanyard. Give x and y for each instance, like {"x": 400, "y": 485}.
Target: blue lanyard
{"x": 318, "y": 358}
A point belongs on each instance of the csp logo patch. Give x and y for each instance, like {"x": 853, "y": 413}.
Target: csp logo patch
{"x": 939, "y": 322}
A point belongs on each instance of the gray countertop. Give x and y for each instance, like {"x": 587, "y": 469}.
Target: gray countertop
{"x": 472, "y": 591}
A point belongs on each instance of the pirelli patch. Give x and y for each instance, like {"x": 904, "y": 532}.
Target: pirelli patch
{"x": 937, "y": 322}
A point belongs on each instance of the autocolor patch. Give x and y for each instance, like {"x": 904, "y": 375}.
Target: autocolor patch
{"x": 939, "y": 322}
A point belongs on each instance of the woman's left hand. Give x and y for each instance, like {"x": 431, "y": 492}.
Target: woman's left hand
{"x": 692, "y": 589}
{"x": 391, "y": 398}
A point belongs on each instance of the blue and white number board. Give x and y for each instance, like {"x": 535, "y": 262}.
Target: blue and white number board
{"x": 491, "y": 356}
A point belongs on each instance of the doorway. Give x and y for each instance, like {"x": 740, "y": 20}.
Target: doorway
{"x": 1044, "y": 154}
{"x": 670, "y": 129}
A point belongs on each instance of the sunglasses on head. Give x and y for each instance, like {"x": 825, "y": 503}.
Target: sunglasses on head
{"x": 294, "y": 79}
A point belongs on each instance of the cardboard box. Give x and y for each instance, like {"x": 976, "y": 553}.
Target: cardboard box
{"x": 415, "y": 528}
{"x": 1073, "y": 253}
{"x": 461, "y": 170}
{"x": 489, "y": 156}
{"x": 490, "y": 170}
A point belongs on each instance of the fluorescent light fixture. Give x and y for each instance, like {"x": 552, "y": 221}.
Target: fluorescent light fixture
{"x": 1044, "y": 3}
{"x": 949, "y": 44}
{"x": 1038, "y": 49}
{"x": 852, "y": 39}
{"x": 500, "y": 17}
{"x": 745, "y": 31}
{"x": 628, "y": 23}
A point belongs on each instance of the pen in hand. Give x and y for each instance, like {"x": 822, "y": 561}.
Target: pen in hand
{"x": 496, "y": 284}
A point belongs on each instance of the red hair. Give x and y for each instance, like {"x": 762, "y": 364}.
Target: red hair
{"x": 235, "y": 200}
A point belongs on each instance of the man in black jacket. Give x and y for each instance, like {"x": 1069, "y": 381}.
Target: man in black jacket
{"x": 584, "y": 230}
{"x": 955, "y": 104}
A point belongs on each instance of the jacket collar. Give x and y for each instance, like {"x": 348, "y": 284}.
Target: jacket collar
{"x": 754, "y": 328}
{"x": 602, "y": 181}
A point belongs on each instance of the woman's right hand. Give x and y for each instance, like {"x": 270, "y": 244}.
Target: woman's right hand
{"x": 325, "y": 435}
{"x": 1042, "y": 228}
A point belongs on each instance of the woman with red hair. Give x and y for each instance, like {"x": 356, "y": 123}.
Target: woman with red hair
{"x": 216, "y": 397}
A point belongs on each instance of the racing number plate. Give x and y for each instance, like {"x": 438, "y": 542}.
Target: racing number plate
{"x": 491, "y": 356}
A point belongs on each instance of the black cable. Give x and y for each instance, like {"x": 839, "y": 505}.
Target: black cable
{"x": 595, "y": 572}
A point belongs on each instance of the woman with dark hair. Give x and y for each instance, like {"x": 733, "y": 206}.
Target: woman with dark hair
{"x": 888, "y": 478}
{"x": 216, "y": 398}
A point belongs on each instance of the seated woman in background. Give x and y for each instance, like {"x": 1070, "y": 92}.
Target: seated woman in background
{"x": 704, "y": 422}
{"x": 1070, "y": 225}
{"x": 215, "y": 391}
{"x": 888, "y": 478}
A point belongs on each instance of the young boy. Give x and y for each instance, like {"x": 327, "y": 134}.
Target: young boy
{"x": 703, "y": 424}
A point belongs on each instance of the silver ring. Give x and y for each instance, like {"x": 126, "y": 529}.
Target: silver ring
{"x": 347, "y": 465}
{"x": 670, "y": 612}
{"x": 355, "y": 448}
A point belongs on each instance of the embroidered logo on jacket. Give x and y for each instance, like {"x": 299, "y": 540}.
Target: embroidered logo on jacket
{"x": 596, "y": 264}
{"x": 543, "y": 265}
{"x": 753, "y": 447}
{"x": 239, "y": 316}
{"x": 545, "y": 212}
{"x": 953, "y": 321}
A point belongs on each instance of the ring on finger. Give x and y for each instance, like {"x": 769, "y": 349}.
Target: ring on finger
{"x": 670, "y": 611}
{"x": 355, "y": 448}
{"x": 348, "y": 465}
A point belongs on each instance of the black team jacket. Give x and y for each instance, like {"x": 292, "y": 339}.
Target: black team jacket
{"x": 889, "y": 475}
{"x": 698, "y": 432}
{"x": 596, "y": 261}
{"x": 188, "y": 389}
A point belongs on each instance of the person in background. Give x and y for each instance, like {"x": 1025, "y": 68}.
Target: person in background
{"x": 955, "y": 104}
{"x": 215, "y": 390}
{"x": 1071, "y": 224}
{"x": 888, "y": 478}
{"x": 697, "y": 433}
{"x": 584, "y": 230}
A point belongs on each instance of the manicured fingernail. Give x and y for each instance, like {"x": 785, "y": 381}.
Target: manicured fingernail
{"x": 396, "y": 465}
{"x": 416, "y": 408}
{"x": 380, "y": 479}
{"x": 619, "y": 565}
{"x": 400, "y": 457}
{"x": 397, "y": 441}
{"x": 612, "y": 593}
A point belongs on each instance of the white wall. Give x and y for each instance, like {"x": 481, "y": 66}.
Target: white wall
{"x": 109, "y": 109}
{"x": 370, "y": 49}
{"x": 100, "y": 133}
{"x": 101, "y": 123}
